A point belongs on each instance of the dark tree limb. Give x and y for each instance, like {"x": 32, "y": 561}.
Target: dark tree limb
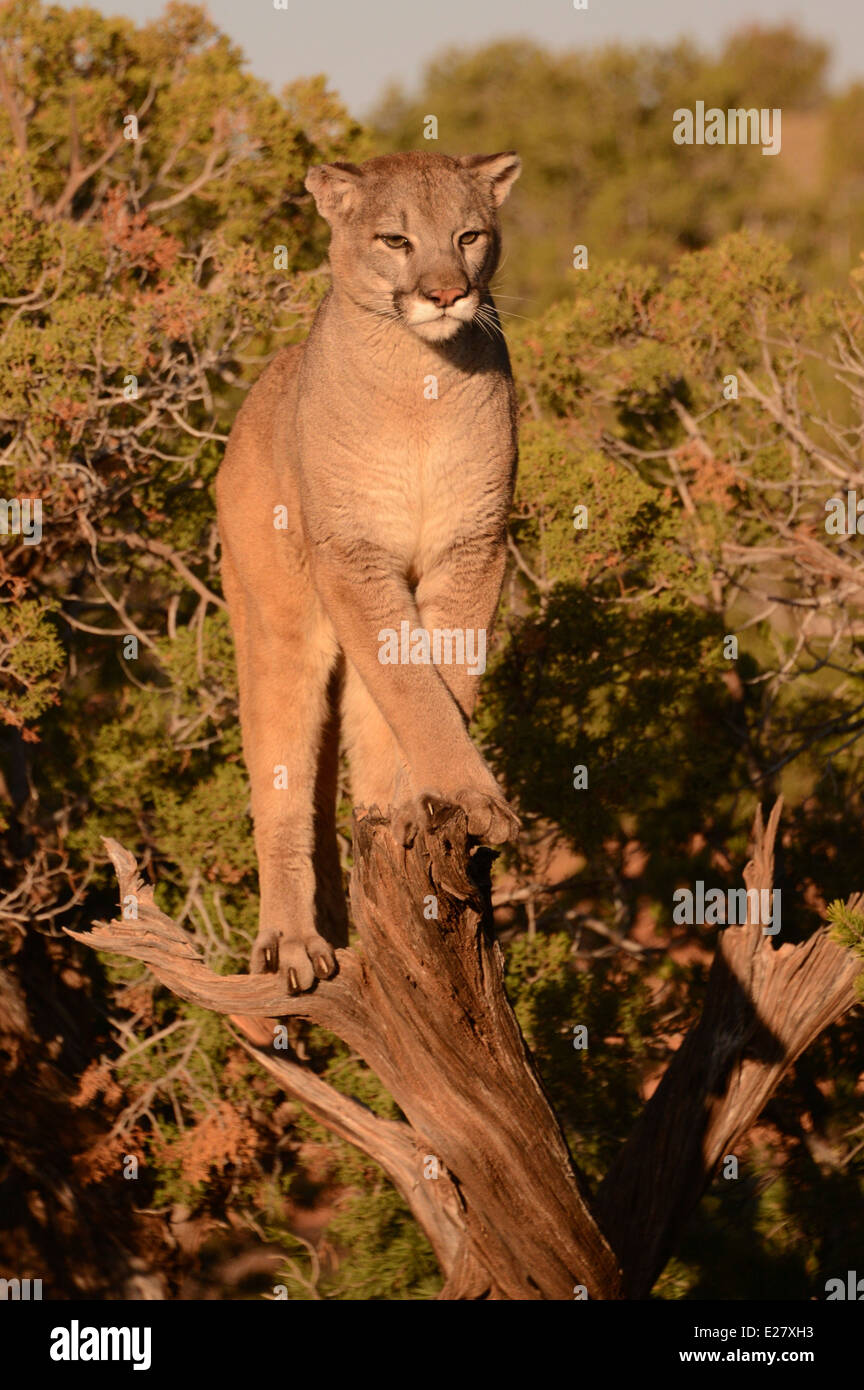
{"x": 764, "y": 1006}
{"x": 509, "y": 1215}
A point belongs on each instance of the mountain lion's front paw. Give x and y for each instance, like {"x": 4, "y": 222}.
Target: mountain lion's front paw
{"x": 489, "y": 817}
{"x": 300, "y": 960}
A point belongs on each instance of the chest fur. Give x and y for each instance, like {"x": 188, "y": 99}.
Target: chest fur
{"x": 404, "y": 447}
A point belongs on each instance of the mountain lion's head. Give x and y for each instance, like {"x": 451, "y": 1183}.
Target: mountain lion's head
{"x": 415, "y": 236}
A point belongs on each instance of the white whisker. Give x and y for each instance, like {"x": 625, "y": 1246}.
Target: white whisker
{"x": 488, "y": 321}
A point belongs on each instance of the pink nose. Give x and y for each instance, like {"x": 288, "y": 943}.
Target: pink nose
{"x": 444, "y": 298}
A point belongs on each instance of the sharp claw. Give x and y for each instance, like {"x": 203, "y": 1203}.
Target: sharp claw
{"x": 322, "y": 965}
{"x": 293, "y": 981}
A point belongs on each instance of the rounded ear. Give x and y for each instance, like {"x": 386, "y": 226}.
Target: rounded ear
{"x": 498, "y": 171}
{"x": 334, "y": 187}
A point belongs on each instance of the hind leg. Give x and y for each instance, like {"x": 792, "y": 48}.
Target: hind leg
{"x": 285, "y": 663}
{"x": 286, "y": 716}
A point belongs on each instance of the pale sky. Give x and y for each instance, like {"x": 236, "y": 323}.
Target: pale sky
{"x": 363, "y": 44}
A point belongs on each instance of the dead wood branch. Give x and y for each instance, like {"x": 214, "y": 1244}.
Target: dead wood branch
{"x": 422, "y": 1001}
{"x": 764, "y": 1006}
{"x": 424, "y": 1005}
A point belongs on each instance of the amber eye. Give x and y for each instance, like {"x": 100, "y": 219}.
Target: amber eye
{"x": 394, "y": 241}
{"x": 467, "y": 238}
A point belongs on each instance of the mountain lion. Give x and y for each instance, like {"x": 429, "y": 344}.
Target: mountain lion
{"x": 365, "y": 490}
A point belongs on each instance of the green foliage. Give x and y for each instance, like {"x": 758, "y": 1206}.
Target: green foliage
{"x": 595, "y": 1091}
{"x": 614, "y": 634}
{"x": 594, "y": 130}
{"x": 30, "y": 663}
{"x": 387, "y": 1256}
{"x": 848, "y": 930}
{"x": 390, "y": 1259}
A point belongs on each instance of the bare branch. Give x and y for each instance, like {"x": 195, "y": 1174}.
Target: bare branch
{"x": 764, "y": 1006}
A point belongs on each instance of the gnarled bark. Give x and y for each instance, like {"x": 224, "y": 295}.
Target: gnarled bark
{"x": 424, "y": 1005}
{"x": 422, "y": 1001}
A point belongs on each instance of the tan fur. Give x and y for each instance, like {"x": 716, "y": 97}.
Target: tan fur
{"x": 397, "y": 508}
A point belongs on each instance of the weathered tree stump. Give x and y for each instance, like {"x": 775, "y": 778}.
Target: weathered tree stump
{"x": 422, "y": 1001}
